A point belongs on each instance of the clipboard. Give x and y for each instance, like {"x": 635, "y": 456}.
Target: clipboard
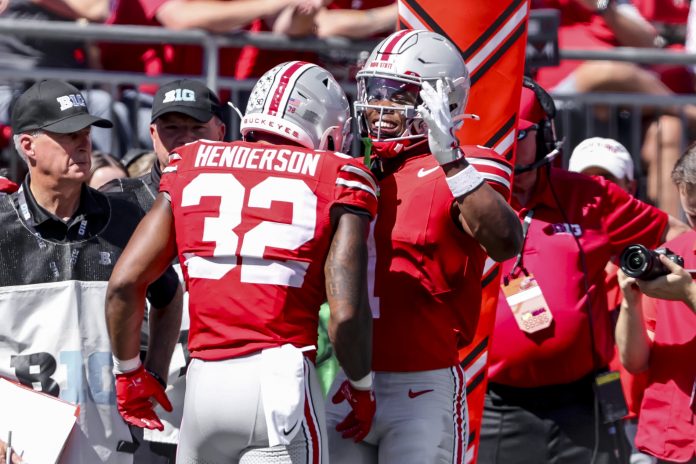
{"x": 40, "y": 423}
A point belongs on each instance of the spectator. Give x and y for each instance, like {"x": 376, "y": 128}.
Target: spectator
{"x": 59, "y": 243}
{"x": 592, "y": 24}
{"x": 544, "y": 357}
{"x": 657, "y": 335}
{"x": 216, "y": 17}
{"x": 251, "y": 325}
{"x": 355, "y": 19}
{"x": 104, "y": 169}
{"x": 609, "y": 159}
{"x": 195, "y": 114}
{"x": 437, "y": 219}
{"x": 23, "y": 53}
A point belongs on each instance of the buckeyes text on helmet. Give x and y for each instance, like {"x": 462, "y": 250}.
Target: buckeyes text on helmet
{"x": 301, "y": 102}
{"x": 411, "y": 57}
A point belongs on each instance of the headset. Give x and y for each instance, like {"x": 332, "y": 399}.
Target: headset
{"x": 548, "y": 146}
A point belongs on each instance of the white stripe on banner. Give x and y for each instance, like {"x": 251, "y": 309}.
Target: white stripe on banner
{"x": 512, "y": 23}
{"x": 476, "y": 367}
{"x": 506, "y": 143}
{"x": 409, "y": 17}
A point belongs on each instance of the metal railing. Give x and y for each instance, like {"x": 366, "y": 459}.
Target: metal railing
{"x": 623, "y": 108}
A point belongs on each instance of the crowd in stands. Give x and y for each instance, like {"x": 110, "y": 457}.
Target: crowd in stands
{"x": 536, "y": 394}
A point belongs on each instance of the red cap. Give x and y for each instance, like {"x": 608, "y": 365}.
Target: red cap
{"x": 531, "y": 111}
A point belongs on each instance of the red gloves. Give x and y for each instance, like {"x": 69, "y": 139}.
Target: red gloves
{"x": 133, "y": 392}
{"x": 357, "y": 424}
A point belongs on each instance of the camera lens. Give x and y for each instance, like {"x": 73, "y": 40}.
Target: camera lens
{"x": 635, "y": 261}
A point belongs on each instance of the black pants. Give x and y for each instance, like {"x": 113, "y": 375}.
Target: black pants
{"x": 546, "y": 425}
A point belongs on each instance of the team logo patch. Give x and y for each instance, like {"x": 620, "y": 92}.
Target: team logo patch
{"x": 105, "y": 258}
{"x": 70, "y": 101}
{"x": 179, "y": 95}
{"x": 565, "y": 228}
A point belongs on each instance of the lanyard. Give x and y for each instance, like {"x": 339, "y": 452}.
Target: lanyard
{"x": 29, "y": 219}
{"x": 519, "y": 266}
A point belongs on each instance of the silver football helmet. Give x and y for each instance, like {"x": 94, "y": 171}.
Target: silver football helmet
{"x": 301, "y": 102}
{"x": 398, "y": 66}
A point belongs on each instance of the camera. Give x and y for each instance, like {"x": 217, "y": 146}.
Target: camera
{"x": 641, "y": 263}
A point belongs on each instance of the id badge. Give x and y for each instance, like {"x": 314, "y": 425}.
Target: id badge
{"x": 525, "y": 298}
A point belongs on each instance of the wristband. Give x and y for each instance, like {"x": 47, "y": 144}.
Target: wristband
{"x": 363, "y": 384}
{"x": 157, "y": 377}
{"x": 124, "y": 366}
{"x": 464, "y": 181}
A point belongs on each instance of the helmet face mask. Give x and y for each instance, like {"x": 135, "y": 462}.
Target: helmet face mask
{"x": 302, "y": 103}
{"x": 396, "y": 69}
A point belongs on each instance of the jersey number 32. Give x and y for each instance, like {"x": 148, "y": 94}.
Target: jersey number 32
{"x": 220, "y": 230}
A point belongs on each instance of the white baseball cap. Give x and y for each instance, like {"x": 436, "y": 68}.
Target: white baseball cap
{"x": 607, "y": 154}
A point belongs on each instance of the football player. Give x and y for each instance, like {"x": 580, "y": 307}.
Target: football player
{"x": 266, "y": 230}
{"x": 437, "y": 220}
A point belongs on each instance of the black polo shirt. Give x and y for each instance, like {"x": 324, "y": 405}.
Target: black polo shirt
{"x": 90, "y": 218}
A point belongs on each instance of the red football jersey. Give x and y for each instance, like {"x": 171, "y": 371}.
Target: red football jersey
{"x": 424, "y": 272}
{"x": 252, "y": 231}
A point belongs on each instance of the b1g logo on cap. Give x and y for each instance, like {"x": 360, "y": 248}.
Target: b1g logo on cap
{"x": 70, "y": 101}
{"x": 179, "y": 95}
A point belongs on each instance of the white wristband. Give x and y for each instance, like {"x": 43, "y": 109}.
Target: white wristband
{"x": 464, "y": 181}
{"x": 363, "y": 384}
{"x": 124, "y": 366}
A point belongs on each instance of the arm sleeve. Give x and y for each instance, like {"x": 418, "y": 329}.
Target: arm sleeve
{"x": 628, "y": 220}
{"x": 495, "y": 169}
{"x": 162, "y": 290}
{"x": 356, "y": 187}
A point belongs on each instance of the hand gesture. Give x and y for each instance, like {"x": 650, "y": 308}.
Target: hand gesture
{"x": 358, "y": 422}
{"x": 133, "y": 392}
{"x": 3, "y": 452}
{"x": 435, "y": 111}
{"x": 677, "y": 285}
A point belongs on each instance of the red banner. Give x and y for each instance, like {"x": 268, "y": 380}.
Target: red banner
{"x": 492, "y": 37}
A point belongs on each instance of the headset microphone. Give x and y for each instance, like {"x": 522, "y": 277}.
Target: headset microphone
{"x": 545, "y": 160}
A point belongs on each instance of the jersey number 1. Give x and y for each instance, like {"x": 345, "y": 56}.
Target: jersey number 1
{"x": 254, "y": 267}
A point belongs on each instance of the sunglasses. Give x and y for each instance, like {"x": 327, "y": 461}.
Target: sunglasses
{"x": 523, "y": 133}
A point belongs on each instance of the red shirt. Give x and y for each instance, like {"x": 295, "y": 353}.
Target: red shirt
{"x": 155, "y": 59}
{"x": 580, "y": 29}
{"x": 605, "y": 220}
{"x": 664, "y": 11}
{"x": 253, "y": 238}
{"x": 7, "y": 186}
{"x": 425, "y": 275}
{"x": 667, "y": 425}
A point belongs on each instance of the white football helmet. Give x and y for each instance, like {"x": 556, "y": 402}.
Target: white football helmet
{"x": 405, "y": 60}
{"x": 301, "y": 102}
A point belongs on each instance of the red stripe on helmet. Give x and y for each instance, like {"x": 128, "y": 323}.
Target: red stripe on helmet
{"x": 281, "y": 86}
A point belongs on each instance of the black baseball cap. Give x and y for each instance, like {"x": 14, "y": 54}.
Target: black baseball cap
{"x": 54, "y": 106}
{"x": 188, "y": 97}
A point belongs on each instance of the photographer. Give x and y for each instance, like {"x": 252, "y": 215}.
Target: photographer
{"x": 657, "y": 334}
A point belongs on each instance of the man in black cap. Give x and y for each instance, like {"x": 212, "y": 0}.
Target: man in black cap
{"x": 183, "y": 111}
{"x": 59, "y": 242}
